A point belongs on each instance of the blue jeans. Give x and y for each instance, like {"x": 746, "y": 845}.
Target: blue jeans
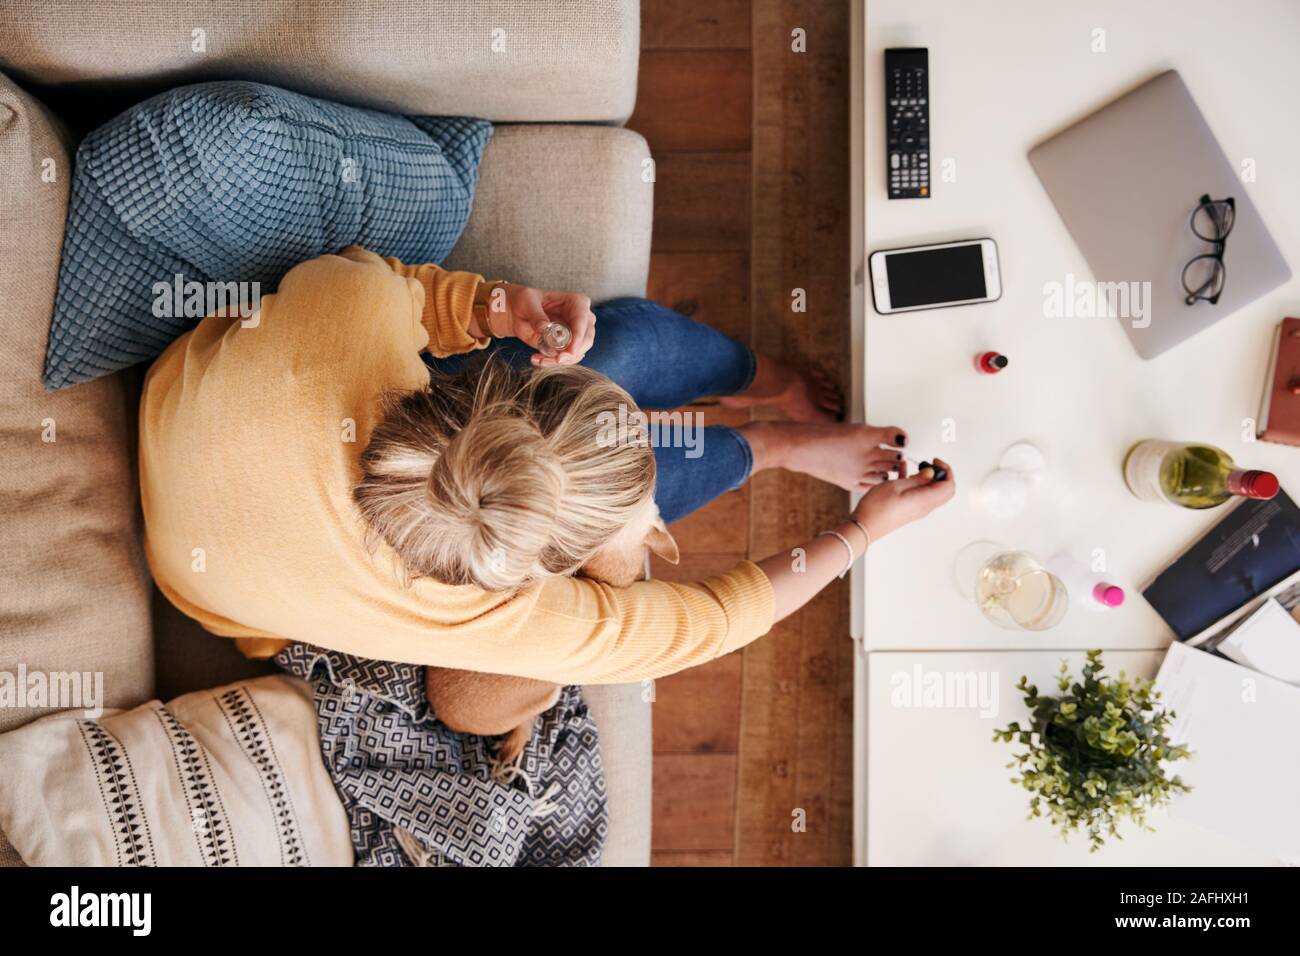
{"x": 665, "y": 360}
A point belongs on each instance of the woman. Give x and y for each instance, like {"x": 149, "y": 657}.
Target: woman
{"x": 286, "y": 498}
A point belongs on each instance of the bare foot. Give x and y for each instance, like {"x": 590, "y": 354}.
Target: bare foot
{"x": 850, "y": 456}
{"x": 804, "y": 396}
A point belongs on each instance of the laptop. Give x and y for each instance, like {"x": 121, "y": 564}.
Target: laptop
{"x": 1127, "y": 180}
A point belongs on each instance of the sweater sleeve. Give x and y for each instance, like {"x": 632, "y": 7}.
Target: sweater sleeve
{"x": 448, "y": 301}
{"x": 600, "y": 634}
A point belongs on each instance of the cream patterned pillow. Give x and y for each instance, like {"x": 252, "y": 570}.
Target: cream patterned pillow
{"x": 224, "y": 777}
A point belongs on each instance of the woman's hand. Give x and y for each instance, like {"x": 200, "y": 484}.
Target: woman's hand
{"x": 532, "y": 310}
{"x": 892, "y": 504}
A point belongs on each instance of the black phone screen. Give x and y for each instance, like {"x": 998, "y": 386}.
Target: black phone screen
{"x": 935, "y": 276}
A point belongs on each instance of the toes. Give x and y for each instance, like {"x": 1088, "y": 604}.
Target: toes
{"x": 822, "y": 382}
{"x": 892, "y": 436}
{"x": 880, "y": 459}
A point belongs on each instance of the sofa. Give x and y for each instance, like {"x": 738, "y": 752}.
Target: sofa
{"x": 562, "y": 202}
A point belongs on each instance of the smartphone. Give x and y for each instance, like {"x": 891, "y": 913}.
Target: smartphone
{"x": 935, "y": 276}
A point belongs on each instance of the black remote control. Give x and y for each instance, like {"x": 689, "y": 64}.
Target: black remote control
{"x": 907, "y": 115}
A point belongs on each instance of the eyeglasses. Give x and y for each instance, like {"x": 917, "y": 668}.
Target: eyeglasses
{"x": 1204, "y": 275}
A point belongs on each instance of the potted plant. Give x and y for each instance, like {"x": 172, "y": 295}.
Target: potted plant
{"x": 1095, "y": 752}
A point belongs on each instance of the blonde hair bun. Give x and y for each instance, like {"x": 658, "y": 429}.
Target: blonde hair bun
{"x": 496, "y": 476}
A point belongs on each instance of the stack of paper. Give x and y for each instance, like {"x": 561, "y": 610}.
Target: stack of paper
{"x": 1245, "y": 763}
{"x": 1268, "y": 641}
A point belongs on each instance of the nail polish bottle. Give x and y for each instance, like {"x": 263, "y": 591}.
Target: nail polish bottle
{"x": 990, "y": 363}
{"x": 555, "y": 338}
{"x": 940, "y": 474}
{"x": 1096, "y": 592}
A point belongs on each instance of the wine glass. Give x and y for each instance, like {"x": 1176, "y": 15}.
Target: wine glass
{"x": 1011, "y": 588}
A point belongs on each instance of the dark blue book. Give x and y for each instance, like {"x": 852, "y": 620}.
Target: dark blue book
{"x": 1255, "y": 547}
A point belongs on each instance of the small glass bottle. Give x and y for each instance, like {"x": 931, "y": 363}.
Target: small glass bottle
{"x": 990, "y": 363}
{"x": 555, "y": 338}
{"x": 1087, "y": 589}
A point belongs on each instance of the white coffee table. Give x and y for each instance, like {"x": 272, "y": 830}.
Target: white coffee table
{"x": 1003, "y": 76}
{"x": 939, "y": 790}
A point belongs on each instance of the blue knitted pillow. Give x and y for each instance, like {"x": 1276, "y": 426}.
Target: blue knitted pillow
{"x": 238, "y": 182}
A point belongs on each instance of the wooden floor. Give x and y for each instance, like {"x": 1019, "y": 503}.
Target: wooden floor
{"x": 750, "y": 139}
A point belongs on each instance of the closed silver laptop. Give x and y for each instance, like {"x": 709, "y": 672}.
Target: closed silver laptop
{"x": 1127, "y": 180}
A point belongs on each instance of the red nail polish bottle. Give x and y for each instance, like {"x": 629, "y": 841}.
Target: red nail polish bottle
{"x": 990, "y": 363}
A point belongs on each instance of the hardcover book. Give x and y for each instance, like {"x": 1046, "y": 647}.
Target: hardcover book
{"x": 1253, "y": 551}
{"x": 1279, "y": 415}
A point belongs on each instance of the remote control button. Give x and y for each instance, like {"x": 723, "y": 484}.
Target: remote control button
{"x": 893, "y": 161}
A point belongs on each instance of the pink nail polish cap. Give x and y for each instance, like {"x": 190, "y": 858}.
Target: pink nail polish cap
{"x": 1110, "y": 595}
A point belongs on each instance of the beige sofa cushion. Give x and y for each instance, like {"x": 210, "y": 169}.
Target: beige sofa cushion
{"x": 504, "y": 62}
{"x": 225, "y": 777}
{"x": 74, "y": 596}
{"x": 564, "y": 207}
{"x": 622, "y": 718}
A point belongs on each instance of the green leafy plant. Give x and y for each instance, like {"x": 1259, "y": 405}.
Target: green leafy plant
{"x": 1096, "y": 752}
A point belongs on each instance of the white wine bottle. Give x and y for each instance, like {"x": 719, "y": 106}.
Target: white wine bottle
{"x": 1194, "y": 476}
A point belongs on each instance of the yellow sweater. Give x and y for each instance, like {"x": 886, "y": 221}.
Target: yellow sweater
{"x": 250, "y": 443}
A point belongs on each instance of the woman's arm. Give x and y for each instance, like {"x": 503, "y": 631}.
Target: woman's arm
{"x": 885, "y": 508}
{"x": 462, "y": 312}
{"x": 581, "y": 631}
{"x": 445, "y": 300}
